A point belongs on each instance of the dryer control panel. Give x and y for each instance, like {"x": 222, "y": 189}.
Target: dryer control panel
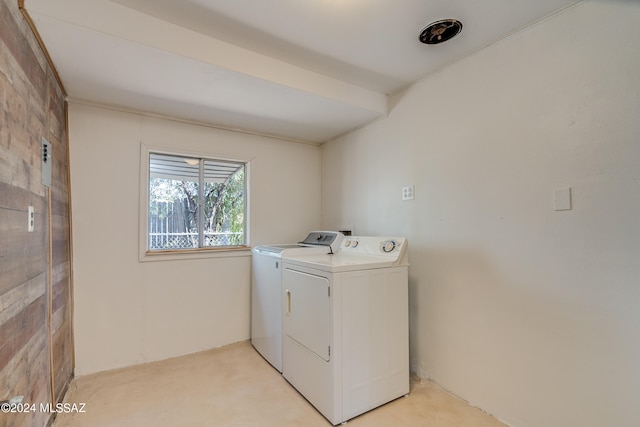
{"x": 373, "y": 245}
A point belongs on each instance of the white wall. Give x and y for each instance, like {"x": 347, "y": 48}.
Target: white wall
{"x": 529, "y": 313}
{"x": 129, "y": 312}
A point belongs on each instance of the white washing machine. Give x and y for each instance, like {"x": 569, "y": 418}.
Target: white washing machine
{"x": 346, "y": 326}
{"x": 266, "y": 289}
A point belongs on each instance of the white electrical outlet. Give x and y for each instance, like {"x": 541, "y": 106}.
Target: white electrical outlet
{"x": 407, "y": 193}
{"x": 347, "y": 230}
{"x": 31, "y": 218}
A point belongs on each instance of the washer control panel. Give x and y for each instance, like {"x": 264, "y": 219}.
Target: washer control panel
{"x": 331, "y": 239}
{"x": 323, "y": 238}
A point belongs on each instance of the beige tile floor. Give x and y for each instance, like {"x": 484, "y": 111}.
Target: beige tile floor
{"x": 234, "y": 386}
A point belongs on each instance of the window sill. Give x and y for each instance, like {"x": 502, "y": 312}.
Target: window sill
{"x": 200, "y": 253}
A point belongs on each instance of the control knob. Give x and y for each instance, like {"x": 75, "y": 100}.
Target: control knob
{"x": 389, "y": 245}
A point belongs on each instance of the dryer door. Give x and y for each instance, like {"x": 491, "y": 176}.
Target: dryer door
{"x": 307, "y": 310}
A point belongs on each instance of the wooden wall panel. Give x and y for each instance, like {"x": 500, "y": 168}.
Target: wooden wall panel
{"x": 36, "y": 343}
{"x": 23, "y": 255}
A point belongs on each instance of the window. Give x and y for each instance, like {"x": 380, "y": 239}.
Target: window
{"x": 195, "y": 203}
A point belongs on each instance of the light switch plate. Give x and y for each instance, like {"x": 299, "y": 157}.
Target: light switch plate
{"x": 31, "y": 219}
{"x": 562, "y": 199}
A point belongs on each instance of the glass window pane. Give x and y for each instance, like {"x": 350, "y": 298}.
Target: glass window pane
{"x": 181, "y": 188}
{"x": 224, "y": 203}
{"x": 173, "y": 202}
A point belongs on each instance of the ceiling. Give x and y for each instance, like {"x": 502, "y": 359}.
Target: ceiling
{"x": 302, "y": 70}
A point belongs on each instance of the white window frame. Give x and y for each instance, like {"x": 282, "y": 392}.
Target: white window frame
{"x": 207, "y": 252}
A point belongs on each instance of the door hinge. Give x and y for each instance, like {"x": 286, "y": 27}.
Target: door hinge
{"x": 329, "y": 350}
{"x": 329, "y": 291}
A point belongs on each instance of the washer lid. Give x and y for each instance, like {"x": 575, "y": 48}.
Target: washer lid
{"x": 274, "y": 249}
{"x": 321, "y": 241}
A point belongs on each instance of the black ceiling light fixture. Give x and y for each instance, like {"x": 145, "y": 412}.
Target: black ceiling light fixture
{"x": 440, "y": 31}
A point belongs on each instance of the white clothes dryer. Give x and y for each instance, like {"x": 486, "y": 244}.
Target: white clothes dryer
{"x": 346, "y": 334}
